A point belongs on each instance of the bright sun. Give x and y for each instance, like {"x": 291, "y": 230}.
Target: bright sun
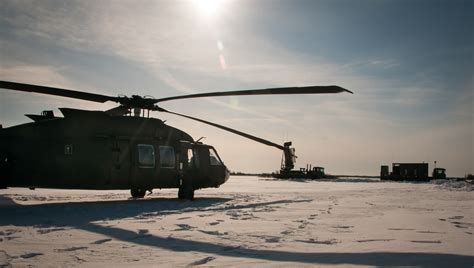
{"x": 208, "y": 8}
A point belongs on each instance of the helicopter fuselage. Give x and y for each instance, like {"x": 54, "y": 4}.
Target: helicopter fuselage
{"x": 110, "y": 150}
{"x": 94, "y": 150}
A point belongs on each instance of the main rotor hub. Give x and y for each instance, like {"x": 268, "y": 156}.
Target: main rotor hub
{"x": 136, "y": 101}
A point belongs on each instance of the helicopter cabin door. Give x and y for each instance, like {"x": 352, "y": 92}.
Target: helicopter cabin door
{"x": 189, "y": 162}
{"x": 119, "y": 163}
{"x": 192, "y": 164}
{"x": 144, "y": 165}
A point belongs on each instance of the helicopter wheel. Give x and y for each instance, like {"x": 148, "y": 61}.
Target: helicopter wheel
{"x": 186, "y": 191}
{"x": 137, "y": 192}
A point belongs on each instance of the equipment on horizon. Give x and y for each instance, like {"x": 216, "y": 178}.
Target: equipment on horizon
{"x": 411, "y": 172}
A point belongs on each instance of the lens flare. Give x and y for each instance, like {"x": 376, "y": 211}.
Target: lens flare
{"x": 220, "y": 45}
{"x": 222, "y": 60}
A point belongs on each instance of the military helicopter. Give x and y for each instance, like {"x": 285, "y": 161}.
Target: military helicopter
{"x": 120, "y": 148}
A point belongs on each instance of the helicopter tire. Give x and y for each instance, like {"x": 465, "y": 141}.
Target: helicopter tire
{"x": 137, "y": 192}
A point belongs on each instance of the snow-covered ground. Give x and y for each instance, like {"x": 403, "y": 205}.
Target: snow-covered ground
{"x": 249, "y": 221}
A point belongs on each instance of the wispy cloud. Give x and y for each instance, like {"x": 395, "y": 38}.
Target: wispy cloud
{"x": 373, "y": 63}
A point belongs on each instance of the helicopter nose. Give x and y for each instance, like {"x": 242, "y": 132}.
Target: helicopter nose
{"x": 227, "y": 174}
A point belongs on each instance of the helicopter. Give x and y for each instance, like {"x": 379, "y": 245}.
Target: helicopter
{"x": 120, "y": 148}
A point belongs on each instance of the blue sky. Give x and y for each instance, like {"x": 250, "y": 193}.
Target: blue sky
{"x": 410, "y": 64}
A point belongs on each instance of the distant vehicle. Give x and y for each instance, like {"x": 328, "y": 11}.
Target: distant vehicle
{"x": 303, "y": 173}
{"x": 439, "y": 174}
{"x": 410, "y": 172}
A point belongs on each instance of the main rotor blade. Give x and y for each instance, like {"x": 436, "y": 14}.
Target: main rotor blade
{"x": 267, "y": 91}
{"x": 248, "y": 136}
{"x": 57, "y": 91}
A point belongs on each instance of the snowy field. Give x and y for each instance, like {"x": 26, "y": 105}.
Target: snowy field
{"x": 249, "y": 221}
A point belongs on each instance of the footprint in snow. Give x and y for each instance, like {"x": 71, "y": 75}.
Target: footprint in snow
{"x": 142, "y": 231}
{"x": 184, "y": 227}
{"x": 430, "y": 232}
{"x": 69, "y": 249}
{"x": 373, "y": 240}
{"x": 462, "y": 224}
{"x": 31, "y": 255}
{"x": 102, "y": 241}
{"x": 320, "y": 242}
{"x": 343, "y": 226}
{"x": 272, "y": 239}
{"x": 426, "y": 241}
{"x": 45, "y": 231}
{"x": 202, "y": 261}
{"x": 213, "y": 232}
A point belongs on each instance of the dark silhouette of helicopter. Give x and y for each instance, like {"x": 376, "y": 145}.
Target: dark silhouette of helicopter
{"x": 121, "y": 148}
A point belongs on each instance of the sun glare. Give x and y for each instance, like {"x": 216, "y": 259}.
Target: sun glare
{"x": 208, "y": 8}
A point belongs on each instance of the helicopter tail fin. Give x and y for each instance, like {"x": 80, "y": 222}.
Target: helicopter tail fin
{"x": 289, "y": 157}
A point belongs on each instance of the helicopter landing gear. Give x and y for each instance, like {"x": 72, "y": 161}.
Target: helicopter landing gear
{"x": 186, "y": 193}
{"x": 137, "y": 192}
{"x": 186, "y": 190}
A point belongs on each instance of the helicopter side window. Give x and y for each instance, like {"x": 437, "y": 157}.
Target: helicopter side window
{"x": 146, "y": 156}
{"x": 167, "y": 157}
{"x": 214, "y": 159}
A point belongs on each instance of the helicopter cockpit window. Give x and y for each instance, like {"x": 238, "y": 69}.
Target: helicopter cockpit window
{"x": 214, "y": 159}
{"x": 146, "y": 156}
{"x": 167, "y": 157}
